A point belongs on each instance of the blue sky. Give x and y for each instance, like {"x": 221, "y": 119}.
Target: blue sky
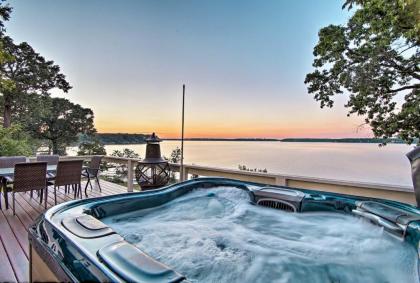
{"x": 244, "y": 63}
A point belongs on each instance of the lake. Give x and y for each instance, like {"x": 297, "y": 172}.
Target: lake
{"x": 341, "y": 161}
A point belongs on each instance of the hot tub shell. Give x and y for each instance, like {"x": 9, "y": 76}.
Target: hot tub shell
{"x": 70, "y": 243}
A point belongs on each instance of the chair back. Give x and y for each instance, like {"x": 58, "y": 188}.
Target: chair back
{"x": 69, "y": 172}
{"x": 94, "y": 165}
{"x": 10, "y": 161}
{"x": 50, "y": 159}
{"x": 30, "y": 176}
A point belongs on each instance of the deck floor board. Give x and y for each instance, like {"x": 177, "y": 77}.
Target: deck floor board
{"x": 14, "y": 244}
{"x": 6, "y": 271}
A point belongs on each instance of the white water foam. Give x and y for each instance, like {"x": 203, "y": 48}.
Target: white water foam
{"x": 216, "y": 235}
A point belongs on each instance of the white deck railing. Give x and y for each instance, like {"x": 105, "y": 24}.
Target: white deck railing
{"x": 393, "y": 192}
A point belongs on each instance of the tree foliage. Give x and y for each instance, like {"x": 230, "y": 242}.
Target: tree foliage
{"x": 175, "y": 155}
{"x": 23, "y": 71}
{"x": 5, "y": 11}
{"x": 25, "y": 81}
{"x": 121, "y": 170}
{"x": 375, "y": 57}
{"x": 62, "y": 122}
{"x": 122, "y": 138}
{"x": 91, "y": 146}
{"x": 125, "y": 153}
{"x": 14, "y": 141}
{"x": 244, "y": 168}
{"x": 27, "y": 110}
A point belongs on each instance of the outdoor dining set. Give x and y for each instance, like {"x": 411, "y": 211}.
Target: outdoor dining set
{"x": 18, "y": 175}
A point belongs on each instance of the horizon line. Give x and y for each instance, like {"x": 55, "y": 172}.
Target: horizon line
{"x": 246, "y": 138}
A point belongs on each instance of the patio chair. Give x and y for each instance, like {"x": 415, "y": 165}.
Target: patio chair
{"x": 51, "y": 160}
{"x": 28, "y": 177}
{"x": 8, "y": 162}
{"x": 92, "y": 172}
{"x": 68, "y": 174}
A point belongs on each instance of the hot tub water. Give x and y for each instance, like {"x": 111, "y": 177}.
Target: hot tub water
{"x": 217, "y": 235}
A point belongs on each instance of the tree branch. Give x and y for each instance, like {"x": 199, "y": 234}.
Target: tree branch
{"x": 408, "y": 48}
{"x": 402, "y": 69}
{"x": 404, "y": 88}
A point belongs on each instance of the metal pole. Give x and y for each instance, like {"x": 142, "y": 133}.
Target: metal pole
{"x": 181, "y": 171}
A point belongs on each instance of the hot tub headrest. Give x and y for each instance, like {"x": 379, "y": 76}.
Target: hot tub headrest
{"x": 86, "y": 226}
{"x": 132, "y": 265}
{"x": 387, "y": 212}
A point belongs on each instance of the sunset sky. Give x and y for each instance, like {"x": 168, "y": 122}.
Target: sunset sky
{"x": 243, "y": 63}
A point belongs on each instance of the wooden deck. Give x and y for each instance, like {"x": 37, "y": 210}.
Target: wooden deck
{"x": 14, "y": 246}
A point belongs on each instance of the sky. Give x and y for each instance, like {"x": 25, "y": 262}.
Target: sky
{"x": 243, "y": 64}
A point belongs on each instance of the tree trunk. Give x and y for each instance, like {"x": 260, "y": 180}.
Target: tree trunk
{"x": 7, "y": 112}
{"x": 54, "y": 146}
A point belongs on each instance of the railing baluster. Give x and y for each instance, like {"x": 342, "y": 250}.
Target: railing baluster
{"x": 280, "y": 181}
{"x": 130, "y": 176}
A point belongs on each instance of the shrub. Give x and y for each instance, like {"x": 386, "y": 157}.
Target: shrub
{"x": 93, "y": 147}
{"x": 14, "y": 141}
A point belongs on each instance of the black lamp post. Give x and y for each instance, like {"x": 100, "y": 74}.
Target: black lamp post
{"x": 153, "y": 171}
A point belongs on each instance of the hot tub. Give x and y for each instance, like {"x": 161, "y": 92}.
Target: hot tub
{"x": 221, "y": 230}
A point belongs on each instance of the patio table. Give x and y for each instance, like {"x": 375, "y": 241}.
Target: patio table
{"x": 9, "y": 172}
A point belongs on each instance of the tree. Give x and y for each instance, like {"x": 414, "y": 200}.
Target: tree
{"x": 91, "y": 146}
{"x": 62, "y": 123}
{"x": 5, "y": 11}
{"x": 375, "y": 57}
{"x": 14, "y": 141}
{"x": 27, "y": 110}
{"x": 121, "y": 170}
{"x": 125, "y": 153}
{"x": 23, "y": 71}
{"x": 175, "y": 155}
{"x": 244, "y": 168}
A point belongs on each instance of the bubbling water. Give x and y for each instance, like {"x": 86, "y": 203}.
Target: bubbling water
{"x": 217, "y": 235}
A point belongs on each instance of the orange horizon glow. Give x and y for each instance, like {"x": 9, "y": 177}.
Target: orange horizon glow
{"x": 304, "y": 131}
{"x": 298, "y": 122}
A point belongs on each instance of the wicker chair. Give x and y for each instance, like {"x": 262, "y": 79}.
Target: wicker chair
{"x": 8, "y": 162}
{"x": 28, "y": 177}
{"x": 92, "y": 172}
{"x": 51, "y": 160}
{"x": 68, "y": 174}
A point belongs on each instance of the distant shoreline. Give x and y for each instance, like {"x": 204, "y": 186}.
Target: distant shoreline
{"x": 224, "y": 139}
{"x": 125, "y": 138}
{"x": 310, "y": 140}
{"x": 345, "y": 140}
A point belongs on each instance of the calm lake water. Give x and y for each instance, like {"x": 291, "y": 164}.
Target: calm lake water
{"x": 341, "y": 161}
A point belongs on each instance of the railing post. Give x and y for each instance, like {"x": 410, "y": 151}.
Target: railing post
{"x": 130, "y": 176}
{"x": 281, "y": 181}
{"x": 184, "y": 174}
